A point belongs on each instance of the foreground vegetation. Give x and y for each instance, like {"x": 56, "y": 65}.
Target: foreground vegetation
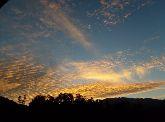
{"x": 65, "y": 106}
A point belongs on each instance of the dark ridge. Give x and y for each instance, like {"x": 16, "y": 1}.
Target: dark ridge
{"x": 2, "y": 2}
{"x": 65, "y": 107}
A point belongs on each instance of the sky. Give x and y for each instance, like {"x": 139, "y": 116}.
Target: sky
{"x": 98, "y": 48}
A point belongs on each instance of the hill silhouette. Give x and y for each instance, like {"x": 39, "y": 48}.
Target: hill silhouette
{"x": 67, "y": 107}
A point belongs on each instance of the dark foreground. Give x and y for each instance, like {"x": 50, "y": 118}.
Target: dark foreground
{"x": 67, "y": 108}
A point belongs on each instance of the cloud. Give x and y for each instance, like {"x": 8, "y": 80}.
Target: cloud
{"x": 98, "y": 78}
{"x": 55, "y": 18}
{"x": 140, "y": 71}
{"x": 20, "y": 69}
{"x": 114, "y": 75}
{"x": 104, "y": 89}
{"x": 101, "y": 70}
{"x": 155, "y": 63}
{"x": 95, "y": 89}
{"x": 152, "y": 39}
{"x": 5, "y": 86}
{"x": 112, "y": 12}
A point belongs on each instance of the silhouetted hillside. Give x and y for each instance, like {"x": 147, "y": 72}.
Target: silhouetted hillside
{"x": 66, "y": 107}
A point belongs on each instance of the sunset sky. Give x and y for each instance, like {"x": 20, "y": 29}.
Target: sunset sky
{"x": 98, "y": 48}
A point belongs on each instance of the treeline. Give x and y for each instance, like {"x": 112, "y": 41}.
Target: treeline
{"x": 66, "y": 106}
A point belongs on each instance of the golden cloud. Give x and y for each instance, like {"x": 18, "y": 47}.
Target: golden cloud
{"x": 5, "y": 86}
{"x": 84, "y": 77}
{"x": 105, "y": 89}
{"x": 101, "y": 70}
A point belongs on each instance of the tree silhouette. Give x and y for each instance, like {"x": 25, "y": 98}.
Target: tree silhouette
{"x": 79, "y": 99}
{"x": 22, "y": 100}
{"x": 65, "y": 98}
{"x": 37, "y": 102}
{"x": 50, "y": 98}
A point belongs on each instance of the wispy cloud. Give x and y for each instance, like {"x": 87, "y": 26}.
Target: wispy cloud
{"x": 152, "y": 39}
{"x": 55, "y": 18}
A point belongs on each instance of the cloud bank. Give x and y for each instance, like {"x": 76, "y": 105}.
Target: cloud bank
{"x": 98, "y": 79}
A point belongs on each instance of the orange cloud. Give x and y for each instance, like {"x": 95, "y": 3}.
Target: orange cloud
{"x": 140, "y": 70}
{"x": 5, "y": 86}
{"x": 102, "y": 90}
{"x": 90, "y": 78}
